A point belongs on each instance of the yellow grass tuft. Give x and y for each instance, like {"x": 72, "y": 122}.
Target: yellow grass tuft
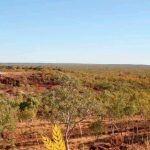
{"x": 48, "y": 143}
{"x": 57, "y": 143}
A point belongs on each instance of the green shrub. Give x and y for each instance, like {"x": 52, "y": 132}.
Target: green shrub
{"x": 97, "y": 127}
{"x": 27, "y": 114}
{"x": 7, "y": 116}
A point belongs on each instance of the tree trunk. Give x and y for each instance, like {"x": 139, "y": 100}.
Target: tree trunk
{"x": 81, "y": 134}
{"x": 67, "y": 143}
{"x": 66, "y": 134}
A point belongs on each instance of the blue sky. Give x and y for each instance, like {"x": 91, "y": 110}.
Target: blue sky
{"x": 75, "y": 31}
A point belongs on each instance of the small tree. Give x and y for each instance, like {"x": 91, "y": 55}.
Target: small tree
{"x": 69, "y": 104}
{"x": 28, "y": 108}
{"x": 7, "y": 116}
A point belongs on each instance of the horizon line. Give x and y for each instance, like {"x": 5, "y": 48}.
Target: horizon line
{"x": 74, "y": 63}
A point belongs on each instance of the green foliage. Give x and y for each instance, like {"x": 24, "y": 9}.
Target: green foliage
{"x": 97, "y": 127}
{"x": 65, "y": 100}
{"x": 28, "y": 108}
{"x": 119, "y": 104}
{"x": 27, "y": 114}
{"x": 7, "y": 115}
{"x": 30, "y": 102}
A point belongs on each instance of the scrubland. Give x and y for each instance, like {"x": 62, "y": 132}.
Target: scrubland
{"x": 96, "y": 106}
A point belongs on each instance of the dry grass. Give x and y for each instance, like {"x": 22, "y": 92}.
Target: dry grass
{"x": 145, "y": 146}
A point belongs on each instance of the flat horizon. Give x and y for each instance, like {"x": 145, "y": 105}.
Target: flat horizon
{"x": 71, "y": 63}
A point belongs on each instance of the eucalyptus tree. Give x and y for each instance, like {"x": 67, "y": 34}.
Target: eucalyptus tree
{"x": 70, "y": 104}
{"x": 119, "y": 105}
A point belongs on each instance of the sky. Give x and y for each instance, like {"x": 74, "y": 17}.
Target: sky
{"x": 75, "y": 31}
